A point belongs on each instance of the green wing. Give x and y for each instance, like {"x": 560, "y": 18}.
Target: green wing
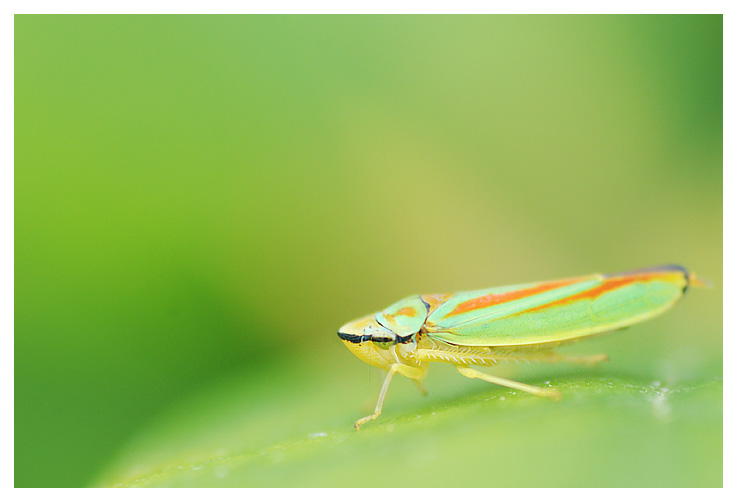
{"x": 556, "y": 311}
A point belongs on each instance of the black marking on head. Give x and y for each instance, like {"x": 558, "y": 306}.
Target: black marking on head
{"x": 354, "y": 338}
{"x": 378, "y": 339}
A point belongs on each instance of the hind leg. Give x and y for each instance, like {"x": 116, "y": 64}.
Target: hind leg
{"x": 537, "y": 391}
{"x": 554, "y": 357}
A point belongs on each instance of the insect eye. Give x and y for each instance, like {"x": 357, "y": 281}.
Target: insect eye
{"x": 383, "y": 342}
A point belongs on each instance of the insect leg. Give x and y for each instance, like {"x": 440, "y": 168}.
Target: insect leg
{"x": 420, "y": 385}
{"x": 587, "y": 360}
{"x": 554, "y": 357}
{"x": 538, "y": 391}
{"x": 377, "y": 411}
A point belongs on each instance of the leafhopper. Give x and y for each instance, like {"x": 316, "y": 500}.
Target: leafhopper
{"x": 512, "y": 323}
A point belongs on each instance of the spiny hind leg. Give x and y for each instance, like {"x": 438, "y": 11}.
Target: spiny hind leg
{"x": 377, "y": 411}
{"x": 538, "y": 391}
{"x": 554, "y": 357}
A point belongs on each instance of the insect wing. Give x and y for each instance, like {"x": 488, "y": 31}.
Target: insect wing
{"x": 556, "y": 311}
{"x": 405, "y": 317}
{"x": 485, "y": 305}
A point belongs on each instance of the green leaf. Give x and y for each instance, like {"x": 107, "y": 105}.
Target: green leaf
{"x": 605, "y": 432}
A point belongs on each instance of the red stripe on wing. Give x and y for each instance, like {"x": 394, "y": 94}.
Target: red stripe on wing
{"x": 495, "y": 299}
{"x": 610, "y": 284}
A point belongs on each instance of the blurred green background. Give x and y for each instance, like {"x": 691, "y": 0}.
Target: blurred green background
{"x": 201, "y": 201}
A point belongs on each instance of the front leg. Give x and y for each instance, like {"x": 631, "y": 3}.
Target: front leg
{"x": 377, "y": 411}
